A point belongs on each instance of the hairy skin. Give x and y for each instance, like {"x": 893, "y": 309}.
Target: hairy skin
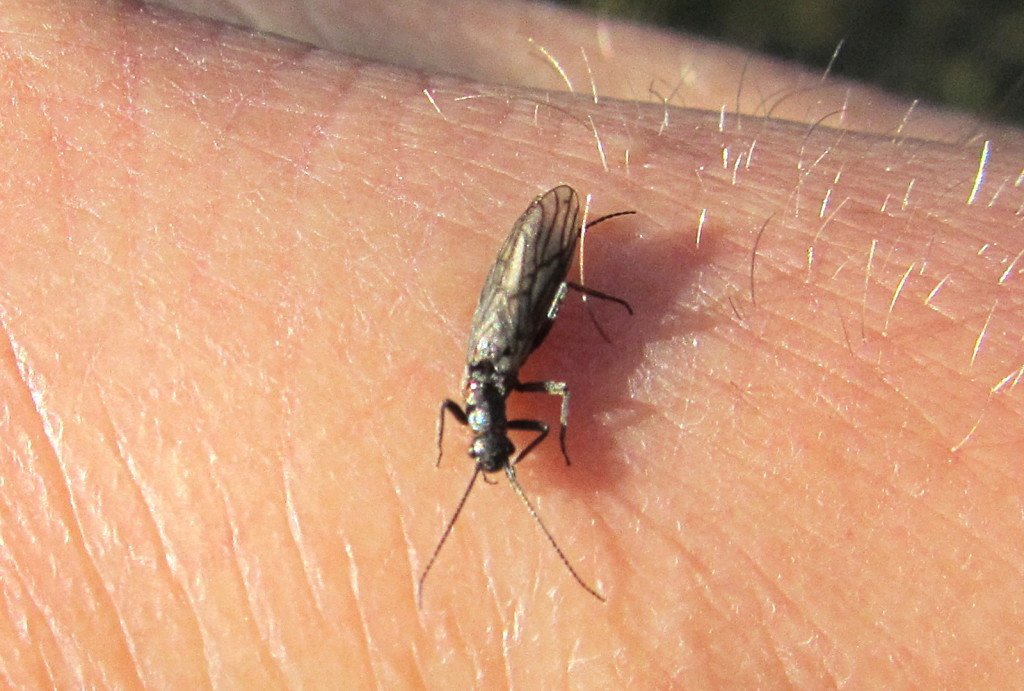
{"x": 237, "y": 278}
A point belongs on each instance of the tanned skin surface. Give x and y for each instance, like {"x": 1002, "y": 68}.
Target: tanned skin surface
{"x": 238, "y": 274}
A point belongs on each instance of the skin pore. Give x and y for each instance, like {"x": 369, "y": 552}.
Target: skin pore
{"x": 238, "y": 274}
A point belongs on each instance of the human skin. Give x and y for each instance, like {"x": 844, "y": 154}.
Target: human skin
{"x": 237, "y": 277}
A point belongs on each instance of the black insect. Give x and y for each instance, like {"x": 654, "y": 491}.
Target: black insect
{"x": 520, "y": 300}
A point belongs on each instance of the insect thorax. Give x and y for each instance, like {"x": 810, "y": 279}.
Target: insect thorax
{"x": 485, "y": 410}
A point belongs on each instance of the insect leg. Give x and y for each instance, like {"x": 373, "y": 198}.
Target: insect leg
{"x": 581, "y": 286}
{"x": 553, "y": 388}
{"x": 556, "y": 303}
{"x": 457, "y": 412}
{"x": 563, "y": 290}
{"x": 511, "y": 473}
{"x": 598, "y": 294}
{"x": 533, "y": 426}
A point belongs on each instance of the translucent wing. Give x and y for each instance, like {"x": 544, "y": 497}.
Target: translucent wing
{"x": 512, "y": 316}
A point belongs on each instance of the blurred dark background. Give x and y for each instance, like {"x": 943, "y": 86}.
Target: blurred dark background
{"x": 965, "y": 55}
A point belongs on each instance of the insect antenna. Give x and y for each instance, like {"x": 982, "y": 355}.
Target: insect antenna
{"x": 445, "y": 534}
{"x": 601, "y": 219}
{"x": 536, "y": 516}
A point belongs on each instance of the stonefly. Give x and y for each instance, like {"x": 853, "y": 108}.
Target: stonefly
{"x": 519, "y": 302}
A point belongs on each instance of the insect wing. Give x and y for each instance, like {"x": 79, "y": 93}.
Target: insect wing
{"x": 531, "y": 265}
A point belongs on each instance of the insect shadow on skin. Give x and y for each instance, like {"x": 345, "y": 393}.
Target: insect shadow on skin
{"x": 520, "y": 300}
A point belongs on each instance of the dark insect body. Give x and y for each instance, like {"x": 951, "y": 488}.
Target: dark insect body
{"x": 519, "y": 302}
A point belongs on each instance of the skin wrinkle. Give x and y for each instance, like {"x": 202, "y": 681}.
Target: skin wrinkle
{"x": 393, "y": 478}
{"x": 255, "y": 623}
{"x": 951, "y": 525}
{"x": 862, "y": 467}
{"x": 914, "y": 406}
{"x": 478, "y": 657}
{"x": 36, "y": 391}
{"x": 669, "y": 537}
{"x": 991, "y": 469}
{"x": 820, "y": 640}
{"x": 129, "y": 642}
{"x": 773, "y": 587}
{"x": 506, "y": 650}
{"x": 61, "y": 640}
{"x": 771, "y": 593}
{"x": 172, "y": 564}
{"x": 721, "y": 603}
{"x": 403, "y": 522}
{"x": 958, "y": 524}
{"x": 373, "y": 650}
{"x": 930, "y": 415}
{"x": 311, "y": 575}
{"x": 43, "y": 613}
